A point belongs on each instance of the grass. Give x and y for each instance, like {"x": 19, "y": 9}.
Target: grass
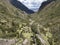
{"x": 46, "y": 23}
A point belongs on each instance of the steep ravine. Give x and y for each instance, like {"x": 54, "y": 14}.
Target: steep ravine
{"x": 42, "y": 28}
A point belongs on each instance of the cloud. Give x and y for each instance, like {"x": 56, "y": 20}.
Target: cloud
{"x": 32, "y": 4}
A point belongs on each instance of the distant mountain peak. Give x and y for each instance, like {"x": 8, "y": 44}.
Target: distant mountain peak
{"x": 32, "y": 4}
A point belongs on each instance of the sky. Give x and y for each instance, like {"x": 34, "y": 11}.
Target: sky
{"x": 32, "y": 4}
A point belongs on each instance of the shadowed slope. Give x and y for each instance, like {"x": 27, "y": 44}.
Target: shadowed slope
{"x": 45, "y": 4}
{"x": 19, "y": 5}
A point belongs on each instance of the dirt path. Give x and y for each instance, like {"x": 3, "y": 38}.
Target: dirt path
{"x": 7, "y": 41}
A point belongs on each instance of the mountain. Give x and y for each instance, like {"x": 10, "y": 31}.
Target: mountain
{"x": 30, "y": 6}
{"x": 21, "y": 6}
{"x": 33, "y": 5}
{"x": 40, "y": 28}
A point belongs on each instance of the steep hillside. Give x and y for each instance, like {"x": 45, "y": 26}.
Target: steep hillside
{"x": 10, "y": 16}
{"x": 41, "y": 28}
{"x": 49, "y": 18}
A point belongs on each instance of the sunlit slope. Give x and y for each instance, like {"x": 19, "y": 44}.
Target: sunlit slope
{"x": 10, "y": 16}
{"x": 50, "y": 14}
{"x": 49, "y": 17}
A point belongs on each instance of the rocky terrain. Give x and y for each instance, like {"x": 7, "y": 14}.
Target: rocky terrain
{"x": 41, "y": 28}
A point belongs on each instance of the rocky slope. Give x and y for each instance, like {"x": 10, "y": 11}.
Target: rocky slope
{"x": 41, "y": 28}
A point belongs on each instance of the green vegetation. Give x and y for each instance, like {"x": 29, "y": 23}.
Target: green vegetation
{"x": 42, "y": 28}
